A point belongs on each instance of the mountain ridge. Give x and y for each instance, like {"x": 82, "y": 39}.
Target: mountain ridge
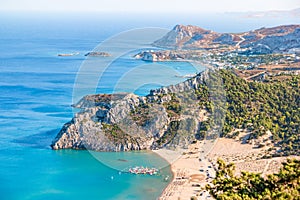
{"x": 194, "y": 37}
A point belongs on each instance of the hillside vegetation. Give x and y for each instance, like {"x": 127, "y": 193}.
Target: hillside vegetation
{"x": 262, "y": 106}
{"x": 234, "y": 104}
{"x": 252, "y": 186}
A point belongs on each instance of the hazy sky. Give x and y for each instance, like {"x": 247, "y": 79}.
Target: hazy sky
{"x": 149, "y": 5}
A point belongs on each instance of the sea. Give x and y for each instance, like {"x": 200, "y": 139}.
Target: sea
{"x": 38, "y": 87}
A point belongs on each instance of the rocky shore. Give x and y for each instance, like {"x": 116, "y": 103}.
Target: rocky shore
{"x": 124, "y": 122}
{"x": 154, "y": 56}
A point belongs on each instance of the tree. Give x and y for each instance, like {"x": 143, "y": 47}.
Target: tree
{"x": 252, "y": 186}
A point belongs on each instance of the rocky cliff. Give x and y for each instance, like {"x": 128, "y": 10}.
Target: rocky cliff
{"x": 168, "y": 117}
{"x": 263, "y": 40}
{"x": 187, "y": 37}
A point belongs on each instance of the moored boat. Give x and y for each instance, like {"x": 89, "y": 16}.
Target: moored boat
{"x": 143, "y": 170}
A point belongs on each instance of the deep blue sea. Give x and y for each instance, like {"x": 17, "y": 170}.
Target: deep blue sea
{"x": 37, "y": 88}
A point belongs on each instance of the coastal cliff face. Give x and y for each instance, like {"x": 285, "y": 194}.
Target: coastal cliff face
{"x": 280, "y": 39}
{"x": 167, "y": 117}
{"x": 188, "y": 85}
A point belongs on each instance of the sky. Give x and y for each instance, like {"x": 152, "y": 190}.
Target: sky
{"x": 148, "y": 6}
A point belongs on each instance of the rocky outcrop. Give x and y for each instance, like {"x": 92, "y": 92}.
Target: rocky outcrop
{"x": 86, "y": 129}
{"x": 190, "y": 84}
{"x": 154, "y": 56}
{"x": 97, "y": 54}
{"x": 124, "y": 122}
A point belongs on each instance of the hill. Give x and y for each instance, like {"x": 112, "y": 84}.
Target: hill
{"x": 198, "y": 108}
{"x": 264, "y": 40}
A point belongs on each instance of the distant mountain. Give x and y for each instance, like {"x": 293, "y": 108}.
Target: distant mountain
{"x": 274, "y": 13}
{"x": 263, "y": 40}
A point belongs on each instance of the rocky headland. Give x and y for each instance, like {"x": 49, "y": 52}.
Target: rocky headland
{"x": 167, "y": 117}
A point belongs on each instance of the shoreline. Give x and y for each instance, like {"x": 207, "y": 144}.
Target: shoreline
{"x": 165, "y": 189}
{"x": 162, "y": 153}
{"x": 190, "y": 171}
{"x": 193, "y": 169}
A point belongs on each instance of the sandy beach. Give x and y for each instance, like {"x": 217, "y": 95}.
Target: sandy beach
{"x": 191, "y": 171}
{"x": 193, "y": 168}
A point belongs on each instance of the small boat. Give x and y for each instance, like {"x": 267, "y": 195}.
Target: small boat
{"x": 67, "y": 54}
{"x": 143, "y": 170}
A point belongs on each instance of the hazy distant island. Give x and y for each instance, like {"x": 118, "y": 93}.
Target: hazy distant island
{"x": 98, "y": 54}
{"x": 90, "y": 54}
{"x": 258, "y": 120}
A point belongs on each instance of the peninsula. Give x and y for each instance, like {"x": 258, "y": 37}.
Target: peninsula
{"x": 249, "y": 98}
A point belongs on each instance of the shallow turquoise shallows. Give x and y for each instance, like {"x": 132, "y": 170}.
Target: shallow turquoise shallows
{"x": 36, "y": 89}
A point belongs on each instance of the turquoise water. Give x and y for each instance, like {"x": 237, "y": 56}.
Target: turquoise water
{"x": 36, "y": 173}
{"x": 37, "y": 88}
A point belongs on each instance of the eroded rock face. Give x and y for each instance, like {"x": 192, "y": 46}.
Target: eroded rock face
{"x": 125, "y": 122}
{"x": 68, "y": 137}
{"x": 85, "y": 130}
{"x": 187, "y": 85}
